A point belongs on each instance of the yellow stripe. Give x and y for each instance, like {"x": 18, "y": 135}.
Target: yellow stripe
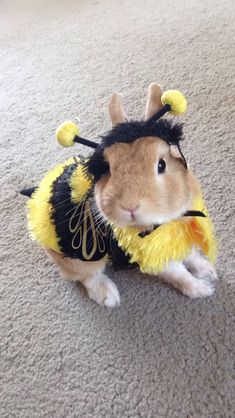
{"x": 40, "y": 223}
{"x": 79, "y": 185}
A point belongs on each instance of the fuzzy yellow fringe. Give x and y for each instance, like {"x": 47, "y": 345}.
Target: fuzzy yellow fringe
{"x": 171, "y": 241}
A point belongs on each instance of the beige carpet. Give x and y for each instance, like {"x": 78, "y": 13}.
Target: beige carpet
{"x": 159, "y": 354}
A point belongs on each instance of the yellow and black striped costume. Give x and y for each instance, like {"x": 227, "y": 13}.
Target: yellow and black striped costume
{"x": 62, "y": 215}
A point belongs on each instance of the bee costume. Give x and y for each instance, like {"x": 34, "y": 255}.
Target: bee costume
{"x": 63, "y": 217}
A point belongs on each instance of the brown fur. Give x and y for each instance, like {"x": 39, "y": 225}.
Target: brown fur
{"x": 116, "y": 111}
{"x": 75, "y": 269}
{"x": 134, "y": 182}
{"x": 153, "y": 100}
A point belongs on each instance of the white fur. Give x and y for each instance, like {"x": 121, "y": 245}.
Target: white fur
{"x": 200, "y": 266}
{"x": 102, "y": 290}
{"x": 177, "y": 274}
{"x": 144, "y": 217}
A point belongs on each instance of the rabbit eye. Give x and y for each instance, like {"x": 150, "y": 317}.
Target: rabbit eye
{"x": 161, "y": 166}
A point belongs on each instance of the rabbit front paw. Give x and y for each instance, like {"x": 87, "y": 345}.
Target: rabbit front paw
{"x": 177, "y": 274}
{"x": 196, "y": 288}
{"x": 103, "y": 291}
{"x": 200, "y": 266}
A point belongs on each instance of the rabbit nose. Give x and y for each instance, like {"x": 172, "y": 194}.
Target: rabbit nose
{"x": 131, "y": 209}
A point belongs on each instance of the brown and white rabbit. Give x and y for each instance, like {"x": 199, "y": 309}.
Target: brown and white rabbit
{"x": 147, "y": 184}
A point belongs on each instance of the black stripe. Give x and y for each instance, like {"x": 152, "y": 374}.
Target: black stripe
{"x": 120, "y": 260}
{"x": 65, "y": 217}
{"x": 61, "y": 202}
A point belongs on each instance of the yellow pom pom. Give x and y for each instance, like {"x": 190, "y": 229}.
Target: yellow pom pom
{"x": 176, "y": 100}
{"x": 66, "y": 133}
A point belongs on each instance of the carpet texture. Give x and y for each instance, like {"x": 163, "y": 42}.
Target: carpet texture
{"x": 159, "y": 354}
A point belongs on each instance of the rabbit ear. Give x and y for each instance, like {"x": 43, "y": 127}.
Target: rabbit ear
{"x": 176, "y": 152}
{"x": 116, "y": 111}
{"x": 154, "y": 103}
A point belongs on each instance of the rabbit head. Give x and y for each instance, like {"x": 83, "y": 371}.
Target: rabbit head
{"x": 140, "y": 175}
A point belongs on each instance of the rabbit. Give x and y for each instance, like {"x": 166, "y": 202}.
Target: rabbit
{"x": 140, "y": 184}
